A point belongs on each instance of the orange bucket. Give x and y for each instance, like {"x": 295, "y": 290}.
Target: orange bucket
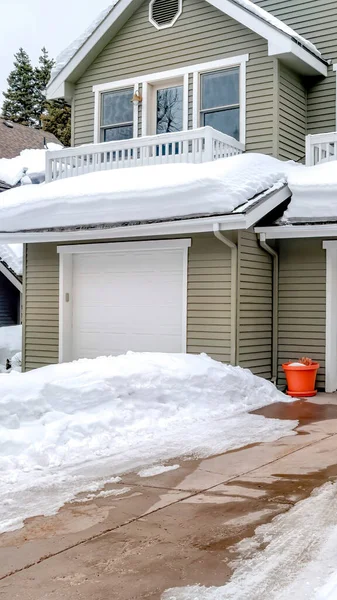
{"x": 301, "y": 380}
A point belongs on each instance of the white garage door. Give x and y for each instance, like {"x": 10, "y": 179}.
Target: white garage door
{"x": 133, "y": 299}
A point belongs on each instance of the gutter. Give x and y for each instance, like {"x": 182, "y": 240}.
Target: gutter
{"x": 271, "y": 251}
{"x": 234, "y": 279}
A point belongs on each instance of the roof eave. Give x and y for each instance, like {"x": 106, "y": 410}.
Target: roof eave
{"x": 279, "y": 44}
{"x": 278, "y": 232}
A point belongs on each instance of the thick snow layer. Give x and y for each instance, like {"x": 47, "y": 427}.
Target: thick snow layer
{"x": 30, "y": 163}
{"x": 141, "y": 194}
{"x": 69, "y": 52}
{"x": 314, "y": 192}
{"x": 10, "y": 343}
{"x": 293, "y": 557}
{"x": 67, "y": 428}
{"x": 269, "y": 18}
{"x": 12, "y": 255}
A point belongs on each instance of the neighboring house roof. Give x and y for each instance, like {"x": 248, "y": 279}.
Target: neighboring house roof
{"x": 11, "y": 262}
{"x": 15, "y": 137}
{"x": 283, "y": 41}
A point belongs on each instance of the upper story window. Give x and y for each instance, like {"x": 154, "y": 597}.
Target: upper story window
{"x": 220, "y": 101}
{"x": 117, "y": 115}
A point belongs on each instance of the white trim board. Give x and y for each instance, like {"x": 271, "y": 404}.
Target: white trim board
{"x": 279, "y": 43}
{"x": 298, "y": 231}
{"x": 66, "y": 254}
{"x": 331, "y": 316}
{"x": 14, "y": 281}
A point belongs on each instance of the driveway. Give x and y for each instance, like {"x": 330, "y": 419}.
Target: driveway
{"x": 145, "y": 535}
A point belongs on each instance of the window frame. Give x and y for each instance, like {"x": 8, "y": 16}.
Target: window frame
{"x": 114, "y": 125}
{"x": 223, "y": 107}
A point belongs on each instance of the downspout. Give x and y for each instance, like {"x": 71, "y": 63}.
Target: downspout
{"x": 234, "y": 277}
{"x": 271, "y": 251}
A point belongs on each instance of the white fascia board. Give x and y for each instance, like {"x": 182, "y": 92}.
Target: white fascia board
{"x": 125, "y": 246}
{"x": 297, "y": 58}
{"x": 298, "y": 231}
{"x": 266, "y": 206}
{"x": 202, "y": 225}
{"x": 14, "y": 281}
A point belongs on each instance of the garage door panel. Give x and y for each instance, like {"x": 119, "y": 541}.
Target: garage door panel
{"x": 128, "y": 301}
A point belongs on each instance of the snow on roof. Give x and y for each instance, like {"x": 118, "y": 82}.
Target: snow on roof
{"x": 141, "y": 194}
{"x": 275, "y": 22}
{"x": 12, "y": 256}
{"x": 29, "y": 162}
{"x": 66, "y": 55}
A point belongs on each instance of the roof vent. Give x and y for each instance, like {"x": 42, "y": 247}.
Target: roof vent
{"x": 164, "y": 13}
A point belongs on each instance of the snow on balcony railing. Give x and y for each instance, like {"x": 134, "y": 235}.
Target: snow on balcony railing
{"x": 320, "y": 148}
{"x": 195, "y": 146}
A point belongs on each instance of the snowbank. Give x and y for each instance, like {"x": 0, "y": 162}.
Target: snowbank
{"x": 293, "y": 557}
{"x": 141, "y": 194}
{"x": 12, "y": 255}
{"x": 10, "y": 343}
{"x": 67, "y": 428}
{"x": 30, "y": 163}
{"x": 314, "y": 192}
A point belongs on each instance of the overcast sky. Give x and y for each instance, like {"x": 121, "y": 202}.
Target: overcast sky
{"x": 33, "y": 24}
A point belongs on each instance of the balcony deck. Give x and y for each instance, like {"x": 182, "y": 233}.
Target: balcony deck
{"x": 194, "y": 146}
{"x": 321, "y": 148}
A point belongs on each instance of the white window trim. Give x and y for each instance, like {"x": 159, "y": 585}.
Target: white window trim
{"x": 174, "y": 20}
{"x": 195, "y": 70}
{"x": 66, "y": 282}
{"x": 331, "y": 316}
{"x": 97, "y": 116}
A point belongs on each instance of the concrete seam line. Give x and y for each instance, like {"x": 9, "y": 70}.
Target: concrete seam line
{"x": 142, "y": 516}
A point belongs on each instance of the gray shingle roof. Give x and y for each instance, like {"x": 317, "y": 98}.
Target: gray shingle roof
{"x": 18, "y": 137}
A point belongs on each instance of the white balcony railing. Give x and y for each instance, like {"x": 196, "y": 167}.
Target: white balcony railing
{"x": 195, "y": 146}
{"x": 320, "y": 148}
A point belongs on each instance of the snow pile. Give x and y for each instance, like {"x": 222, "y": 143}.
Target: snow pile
{"x": 69, "y": 52}
{"x": 68, "y": 427}
{"x": 295, "y": 556}
{"x": 12, "y": 255}
{"x": 29, "y": 164}
{"x": 314, "y": 192}
{"x": 157, "y": 470}
{"x": 141, "y": 194}
{"x": 10, "y": 343}
{"x": 269, "y": 18}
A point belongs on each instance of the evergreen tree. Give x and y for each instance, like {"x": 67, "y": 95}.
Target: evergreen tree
{"x": 19, "y": 100}
{"x": 57, "y": 120}
{"x": 41, "y": 77}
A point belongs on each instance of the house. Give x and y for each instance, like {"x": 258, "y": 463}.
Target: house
{"x": 15, "y": 137}
{"x": 189, "y": 81}
{"x": 10, "y": 284}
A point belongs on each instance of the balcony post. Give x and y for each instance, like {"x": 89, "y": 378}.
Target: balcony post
{"x": 49, "y": 170}
{"x": 208, "y": 145}
{"x": 309, "y": 152}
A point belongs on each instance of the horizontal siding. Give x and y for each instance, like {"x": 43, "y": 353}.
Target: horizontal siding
{"x": 41, "y": 306}
{"x": 208, "y": 313}
{"x": 255, "y": 306}
{"x": 316, "y": 20}
{"x": 292, "y": 107}
{"x": 202, "y": 33}
{"x": 302, "y": 303}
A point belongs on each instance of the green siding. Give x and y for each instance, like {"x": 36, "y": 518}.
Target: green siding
{"x": 208, "y": 308}
{"x": 316, "y": 20}
{"x": 292, "y": 115}
{"x": 255, "y": 306}
{"x": 302, "y": 303}
{"x": 201, "y": 34}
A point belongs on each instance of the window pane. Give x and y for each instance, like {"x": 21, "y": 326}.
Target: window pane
{"x": 117, "y": 107}
{"x": 220, "y": 88}
{"x": 118, "y": 133}
{"x": 170, "y": 109}
{"x": 227, "y": 121}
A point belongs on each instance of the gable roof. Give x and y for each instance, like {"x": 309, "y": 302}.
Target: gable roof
{"x": 11, "y": 259}
{"x": 283, "y": 41}
{"x": 15, "y": 137}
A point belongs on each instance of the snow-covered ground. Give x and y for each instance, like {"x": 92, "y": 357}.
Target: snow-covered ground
{"x": 292, "y": 558}
{"x": 10, "y": 343}
{"x": 69, "y": 428}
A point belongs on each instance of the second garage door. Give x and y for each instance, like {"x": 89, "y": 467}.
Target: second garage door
{"x": 128, "y": 300}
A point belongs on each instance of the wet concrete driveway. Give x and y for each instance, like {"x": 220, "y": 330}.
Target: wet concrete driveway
{"x": 173, "y": 529}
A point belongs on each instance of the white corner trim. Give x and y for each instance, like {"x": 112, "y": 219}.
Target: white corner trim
{"x": 124, "y": 246}
{"x": 14, "y": 281}
{"x": 65, "y": 307}
{"x": 331, "y": 317}
{"x": 174, "y": 20}
{"x": 184, "y": 301}
{"x": 329, "y": 245}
